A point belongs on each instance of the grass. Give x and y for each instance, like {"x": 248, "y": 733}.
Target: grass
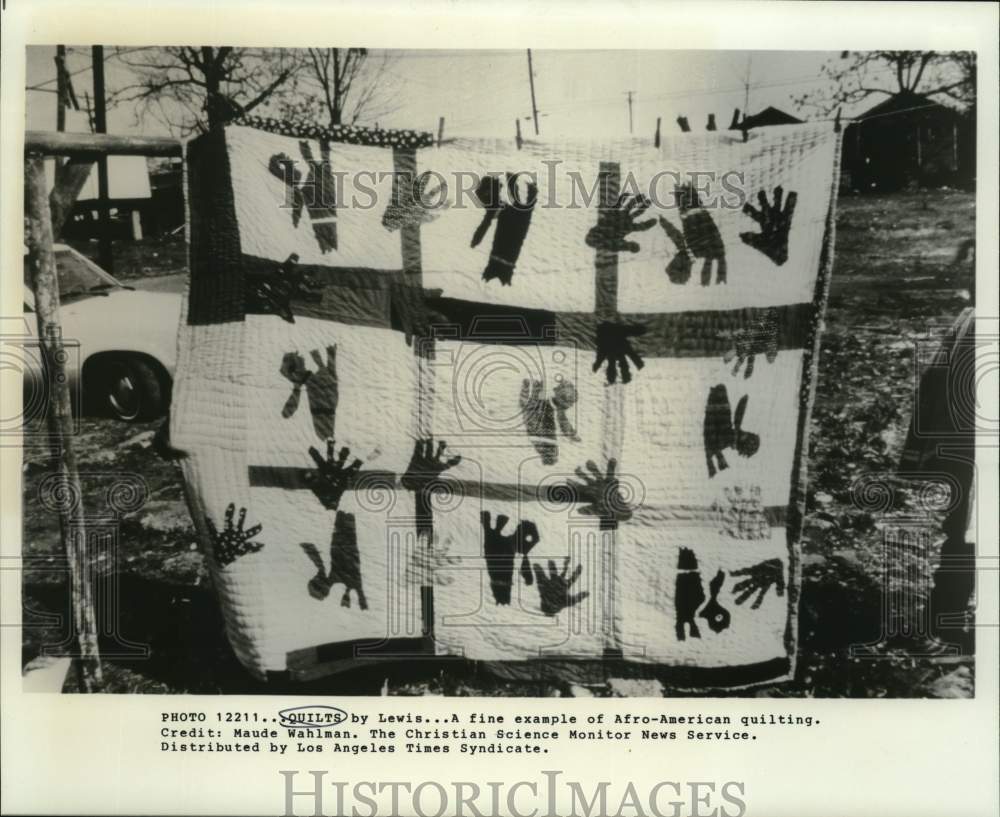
{"x": 895, "y": 287}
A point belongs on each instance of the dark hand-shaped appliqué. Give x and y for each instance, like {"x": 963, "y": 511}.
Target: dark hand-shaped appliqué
{"x": 689, "y": 595}
{"x": 722, "y": 430}
{"x": 759, "y": 579}
{"x": 714, "y": 613}
{"x": 616, "y": 222}
{"x": 513, "y": 220}
{"x": 500, "y": 551}
{"x": 698, "y": 238}
{"x": 539, "y": 420}
{"x": 602, "y": 493}
{"x": 409, "y": 202}
{"x": 345, "y": 563}
{"x": 273, "y": 293}
{"x": 319, "y": 585}
{"x": 282, "y": 166}
{"x": 232, "y": 542}
{"x": 761, "y": 337}
{"x": 775, "y": 224}
{"x": 614, "y": 346}
{"x": 426, "y": 464}
{"x": 321, "y": 388}
{"x": 317, "y": 193}
{"x": 332, "y": 476}
{"x": 541, "y": 415}
{"x": 746, "y": 443}
{"x": 554, "y": 587}
{"x": 564, "y": 397}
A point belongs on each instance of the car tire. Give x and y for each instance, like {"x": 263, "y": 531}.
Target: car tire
{"x": 131, "y": 389}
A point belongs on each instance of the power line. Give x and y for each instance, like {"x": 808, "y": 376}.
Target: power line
{"x": 40, "y": 85}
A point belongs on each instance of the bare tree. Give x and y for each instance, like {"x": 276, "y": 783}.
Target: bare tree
{"x": 857, "y": 75}
{"x": 195, "y": 88}
{"x": 341, "y": 86}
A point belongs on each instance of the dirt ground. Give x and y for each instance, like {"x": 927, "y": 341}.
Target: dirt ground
{"x": 895, "y": 287}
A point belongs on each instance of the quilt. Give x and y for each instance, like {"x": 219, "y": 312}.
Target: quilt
{"x": 542, "y": 406}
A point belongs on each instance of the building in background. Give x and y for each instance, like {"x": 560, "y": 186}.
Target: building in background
{"x": 769, "y": 116}
{"x": 908, "y": 140}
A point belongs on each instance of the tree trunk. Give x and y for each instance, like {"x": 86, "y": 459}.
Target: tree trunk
{"x": 338, "y": 103}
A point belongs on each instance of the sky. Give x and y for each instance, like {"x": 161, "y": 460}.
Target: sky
{"x": 481, "y": 93}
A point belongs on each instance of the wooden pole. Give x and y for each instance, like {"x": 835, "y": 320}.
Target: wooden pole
{"x": 101, "y": 126}
{"x": 77, "y": 145}
{"x": 62, "y": 92}
{"x": 71, "y": 176}
{"x": 746, "y": 87}
{"x": 45, "y": 286}
{"x": 531, "y": 80}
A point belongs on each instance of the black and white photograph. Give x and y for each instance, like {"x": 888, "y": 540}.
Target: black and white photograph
{"x": 324, "y": 420}
{"x": 352, "y": 373}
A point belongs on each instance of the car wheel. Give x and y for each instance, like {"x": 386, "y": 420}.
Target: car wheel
{"x": 131, "y": 389}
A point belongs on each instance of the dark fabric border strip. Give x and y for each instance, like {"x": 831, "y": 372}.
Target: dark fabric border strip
{"x": 807, "y": 394}
{"x": 366, "y": 296}
{"x": 216, "y": 260}
{"x": 295, "y": 479}
{"x": 345, "y": 657}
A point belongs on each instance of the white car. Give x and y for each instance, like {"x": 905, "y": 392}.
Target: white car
{"x": 127, "y": 340}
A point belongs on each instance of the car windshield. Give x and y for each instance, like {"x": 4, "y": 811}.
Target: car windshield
{"x": 79, "y": 277}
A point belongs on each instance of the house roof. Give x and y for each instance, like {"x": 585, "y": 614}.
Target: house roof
{"x": 768, "y": 116}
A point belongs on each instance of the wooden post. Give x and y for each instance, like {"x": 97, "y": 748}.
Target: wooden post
{"x": 101, "y": 126}
{"x": 45, "y": 286}
{"x": 531, "y": 81}
{"x": 62, "y": 92}
{"x": 92, "y": 145}
{"x": 71, "y": 176}
{"x": 518, "y": 139}
{"x": 656, "y": 136}
{"x": 440, "y": 130}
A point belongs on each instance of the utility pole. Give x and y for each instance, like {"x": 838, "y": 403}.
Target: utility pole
{"x": 629, "y": 95}
{"x": 62, "y": 93}
{"x": 101, "y": 126}
{"x": 746, "y": 89}
{"x": 531, "y": 81}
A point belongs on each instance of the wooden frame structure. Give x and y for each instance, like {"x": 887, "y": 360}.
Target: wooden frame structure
{"x": 45, "y": 214}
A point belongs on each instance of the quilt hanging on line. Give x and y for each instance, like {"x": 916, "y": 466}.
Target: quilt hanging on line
{"x": 531, "y": 406}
